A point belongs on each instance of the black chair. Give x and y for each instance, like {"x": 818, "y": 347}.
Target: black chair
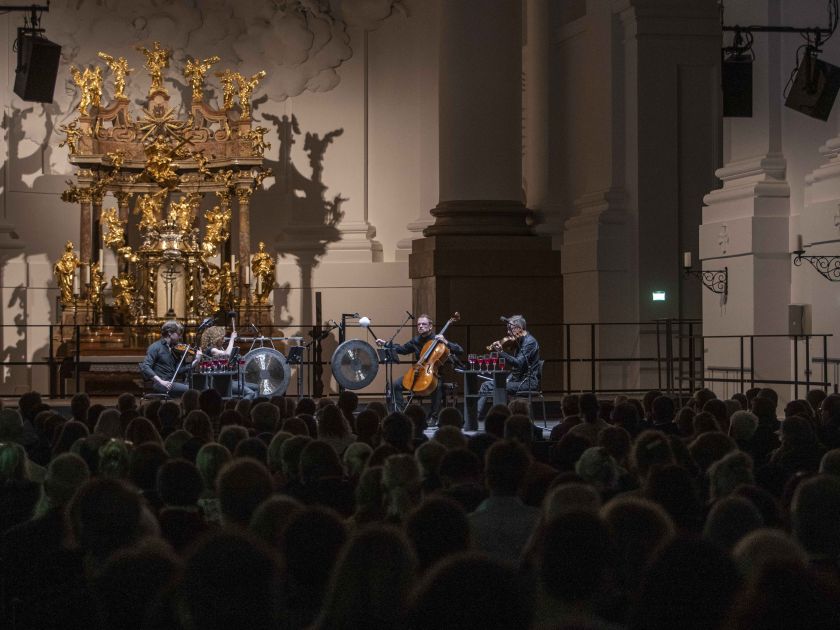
{"x": 535, "y": 393}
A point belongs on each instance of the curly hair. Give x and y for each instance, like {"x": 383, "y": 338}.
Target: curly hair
{"x": 213, "y": 337}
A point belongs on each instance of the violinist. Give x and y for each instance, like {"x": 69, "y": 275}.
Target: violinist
{"x": 524, "y": 363}
{"x": 212, "y": 341}
{"x": 425, "y": 333}
{"x": 162, "y": 359}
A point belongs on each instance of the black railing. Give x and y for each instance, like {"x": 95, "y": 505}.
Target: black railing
{"x": 615, "y": 357}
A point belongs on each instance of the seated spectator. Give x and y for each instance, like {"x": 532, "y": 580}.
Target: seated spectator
{"x": 131, "y": 585}
{"x": 189, "y": 401}
{"x": 67, "y": 436}
{"x": 417, "y": 415}
{"x": 231, "y": 435}
{"x": 742, "y": 427}
{"x": 367, "y": 428}
{"x": 114, "y": 459}
{"x": 355, "y": 460}
{"x": 690, "y": 585}
{"x": 290, "y": 459}
{"x": 401, "y": 487}
{"x": 597, "y": 468}
{"x": 470, "y": 591}
{"x": 830, "y": 462}
{"x": 461, "y": 479}
{"x": 371, "y": 582}
{"x": 270, "y": 519}
{"x": 174, "y": 443}
{"x": 126, "y": 402}
{"x": 450, "y": 437}
{"x": 815, "y": 521}
{"x": 36, "y": 562}
{"x": 109, "y": 424}
{"x": 729, "y": 520}
{"x": 799, "y": 450}
{"x": 731, "y": 471}
{"x": 169, "y": 415}
{"x": 592, "y": 424}
{"x": 254, "y": 448}
{"x": 707, "y": 448}
{"x": 756, "y": 549}
{"x": 651, "y": 449}
{"x": 429, "y": 456}
{"x": 451, "y": 416}
{"x": 398, "y": 431}
{"x": 144, "y": 463}
{"x": 312, "y": 542}
{"x": 141, "y": 430}
{"x": 231, "y": 580}
{"x": 378, "y": 408}
{"x": 717, "y": 408}
{"x": 210, "y": 460}
{"x": 570, "y": 496}
{"x": 437, "y": 529}
{"x": 265, "y": 417}
{"x": 573, "y": 560}
{"x": 625, "y": 416}
{"x": 662, "y": 414}
{"x": 494, "y": 421}
{"x": 333, "y": 429}
{"x": 370, "y": 499}
{"x": 275, "y": 464}
{"x": 672, "y": 487}
{"x": 180, "y": 486}
{"x": 79, "y": 405}
{"x": 322, "y": 478}
{"x": 348, "y": 402}
{"x": 502, "y": 523}
{"x": 242, "y": 485}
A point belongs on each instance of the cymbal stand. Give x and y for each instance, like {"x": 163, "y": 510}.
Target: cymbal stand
{"x": 392, "y": 358}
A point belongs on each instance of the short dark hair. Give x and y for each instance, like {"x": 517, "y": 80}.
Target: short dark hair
{"x": 506, "y": 465}
{"x": 242, "y": 485}
{"x": 171, "y": 326}
{"x": 179, "y": 483}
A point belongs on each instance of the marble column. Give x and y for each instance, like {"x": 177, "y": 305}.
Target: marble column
{"x": 243, "y": 197}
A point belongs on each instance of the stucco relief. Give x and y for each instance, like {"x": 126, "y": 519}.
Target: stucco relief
{"x": 299, "y": 43}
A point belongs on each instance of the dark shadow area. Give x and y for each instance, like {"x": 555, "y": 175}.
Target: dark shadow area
{"x": 306, "y": 219}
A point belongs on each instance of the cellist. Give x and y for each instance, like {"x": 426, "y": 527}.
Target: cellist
{"x": 425, "y": 333}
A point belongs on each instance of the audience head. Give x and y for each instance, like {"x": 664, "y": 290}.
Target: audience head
{"x": 79, "y": 405}
{"x": 318, "y": 460}
{"x": 271, "y": 517}
{"x": 210, "y": 460}
{"x": 450, "y": 437}
{"x": 731, "y": 471}
{"x": 760, "y": 546}
{"x": 830, "y": 462}
{"x": 415, "y": 413}
{"x": 437, "y": 529}
{"x": 126, "y": 402}
{"x": 505, "y": 468}
{"x": 598, "y": 468}
{"x": 144, "y": 462}
{"x": 210, "y": 402}
{"x": 65, "y": 475}
{"x": 265, "y": 417}
{"x": 519, "y": 427}
{"x": 254, "y": 448}
{"x": 570, "y": 497}
{"x": 290, "y": 455}
{"x": 355, "y": 458}
{"x": 398, "y": 431}
{"x": 450, "y": 416}
{"x": 114, "y": 459}
{"x": 401, "y": 484}
{"x": 729, "y": 520}
{"x": 109, "y": 424}
{"x": 742, "y": 426}
{"x": 141, "y": 430}
{"x": 815, "y": 515}
{"x": 242, "y": 485}
{"x": 589, "y": 407}
{"x": 179, "y": 483}
{"x": 651, "y": 449}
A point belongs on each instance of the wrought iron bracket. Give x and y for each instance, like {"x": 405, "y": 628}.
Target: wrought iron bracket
{"x": 827, "y": 266}
{"x": 715, "y": 280}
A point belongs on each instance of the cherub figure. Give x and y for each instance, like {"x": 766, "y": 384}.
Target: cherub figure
{"x": 64, "y": 271}
{"x": 156, "y": 60}
{"x": 211, "y": 284}
{"x": 195, "y": 71}
{"x": 90, "y": 83}
{"x": 262, "y": 270}
{"x": 119, "y": 68}
{"x": 246, "y": 88}
{"x": 148, "y": 207}
{"x": 72, "y": 133}
{"x": 258, "y": 143}
{"x": 217, "y": 230}
{"x": 227, "y": 79}
{"x": 181, "y": 212}
{"x": 113, "y": 229}
{"x": 124, "y": 292}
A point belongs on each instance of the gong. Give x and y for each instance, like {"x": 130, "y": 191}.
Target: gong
{"x": 267, "y": 371}
{"x": 354, "y": 364}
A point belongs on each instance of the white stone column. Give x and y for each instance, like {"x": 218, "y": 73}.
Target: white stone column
{"x": 480, "y": 120}
{"x": 745, "y": 224}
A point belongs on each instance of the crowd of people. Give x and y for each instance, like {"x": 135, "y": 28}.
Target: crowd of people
{"x": 288, "y": 513}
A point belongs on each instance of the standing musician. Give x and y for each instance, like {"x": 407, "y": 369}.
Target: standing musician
{"x": 162, "y": 360}
{"x": 212, "y": 342}
{"x": 425, "y": 333}
{"x": 524, "y": 365}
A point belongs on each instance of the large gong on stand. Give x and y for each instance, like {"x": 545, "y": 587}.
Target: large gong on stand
{"x": 354, "y": 364}
{"x": 267, "y": 371}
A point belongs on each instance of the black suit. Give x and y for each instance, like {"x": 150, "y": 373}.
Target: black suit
{"x": 524, "y": 372}
{"x": 415, "y": 346}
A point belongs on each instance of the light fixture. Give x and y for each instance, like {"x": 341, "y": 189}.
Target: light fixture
{"x": 715, "y": 280}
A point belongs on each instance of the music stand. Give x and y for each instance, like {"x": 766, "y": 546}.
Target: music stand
{"x": 296, "y": 358}
{"x": 388, "y": 357}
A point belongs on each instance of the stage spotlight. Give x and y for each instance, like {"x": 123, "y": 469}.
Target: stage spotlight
{"x": 37, "y": 66}
{"x": 815, "y": 87}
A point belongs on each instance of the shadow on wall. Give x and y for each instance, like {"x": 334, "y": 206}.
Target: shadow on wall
{"x": 307, "y": 221}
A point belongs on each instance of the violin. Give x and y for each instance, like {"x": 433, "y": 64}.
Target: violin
{"x": 181, "y": 348}
{"x": 507, "y": 342}
{"x": 422, "y": 379}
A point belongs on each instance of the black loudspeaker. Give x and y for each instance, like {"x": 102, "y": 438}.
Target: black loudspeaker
{"x": 815, "y": 88}
{"x": 37, "y": 68}
{"x": 736, "y": 78}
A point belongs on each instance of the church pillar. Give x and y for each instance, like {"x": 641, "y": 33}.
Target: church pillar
{"x": 481, "y": 257}
{"x": 243, "y": 197}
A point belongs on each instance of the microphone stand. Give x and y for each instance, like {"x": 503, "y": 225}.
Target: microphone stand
{"x": 389, "y": 366}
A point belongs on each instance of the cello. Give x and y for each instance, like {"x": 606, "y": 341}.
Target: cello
{"x": 422, "y": 379}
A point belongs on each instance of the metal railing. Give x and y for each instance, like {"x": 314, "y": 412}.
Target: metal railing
{"x": 614, "y": 357}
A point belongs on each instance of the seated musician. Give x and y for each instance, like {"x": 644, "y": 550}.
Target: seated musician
{"x": 425, "y": 333}
{"x": 524, "y": 364}
{"x": 213, "y": 344}
{"x": 162, "y": 361}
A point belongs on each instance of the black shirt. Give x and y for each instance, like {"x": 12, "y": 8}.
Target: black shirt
{"x": 161, "y": 360}
{"x": 416, "y": 343}
{"x": 526, "y": 362}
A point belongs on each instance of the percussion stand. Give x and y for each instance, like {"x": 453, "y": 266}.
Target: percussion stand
{"x": 392, "y": 358}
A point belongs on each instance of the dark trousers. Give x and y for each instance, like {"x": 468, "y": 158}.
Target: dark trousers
{"x": 399, "y": 398}
{"x": 512, "y": 387}
{"x": 176, "y": 391}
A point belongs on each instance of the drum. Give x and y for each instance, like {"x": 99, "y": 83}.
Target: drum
{"x": 354, "y": 364}
{"x": 267, "y": 371}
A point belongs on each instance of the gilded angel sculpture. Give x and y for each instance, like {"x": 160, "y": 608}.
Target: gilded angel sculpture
{"x": 113, "y": 229}
{"x": 64, "y": 271}
{"x": 119, "y": 68}
{"x": 156, "y": 60}
{"x": 90, "y": 83}
{"x": 217, "y": 229}
{"x": 195, "y": 70}
{"x": 246, "y": 88}
{"x": 262, "y": 270}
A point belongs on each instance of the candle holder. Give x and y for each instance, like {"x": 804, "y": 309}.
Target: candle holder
{"x": 827, "y": 266}
{"x": 715, "y": 280}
